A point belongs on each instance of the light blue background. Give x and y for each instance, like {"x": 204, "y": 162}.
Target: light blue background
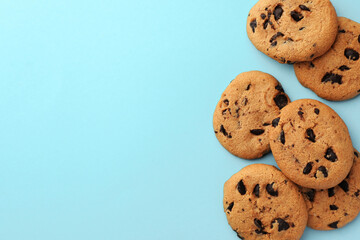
{"x": 106, "y": 117}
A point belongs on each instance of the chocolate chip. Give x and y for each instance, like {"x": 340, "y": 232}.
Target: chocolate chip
{"x": 290, "y": 62}
{"x": 296, "y": 16}
{"x": 258, "y": 223}
{"x": 260, "y": 231}
{"x": 282, "y": 137}
{"x": 316, "y": 111}
{"x": 257, "y": 132}
{"x": 332, "y": 77}
{"x": 241, "y": 187}
{"x": 344, "y": 68}
{"x": 248, "y": 87}
{"x": 303, "y": 7}
{"x": 356, "y": 154}
{"x": 308, "y": 168}
{"x": 256, "y": 190}
{"x": 344, "y": 186}
{"x": 245, "y": 101}
{"x": 275, "y": 36}
{"x": 223, "y": 131}
{"x": 330, "y": 155}
{"x": 310, "y": 135}
{"x": 266, "y": 124}
{"x": 279, "y": 88}
{"x": 341, "y": 31}
{"x": 331, "y": 192}
{"x": 300, "y": 113}
{"x": 253, "y": 25}
{"x": 351, "y": 54}
{"x": 266, "y": 23}
{"x": 333, "y": 207}
{"x": 334, "y": 224}
{"x": 278, "y": 11}
{"x": 275, "y": 122}
{"x": 271, "y": 191}
{"x": 230, "y": 207}
{"x": 281, "y": 100}
{"x": 312, "y": 65}
{"x": 312, "y": 55}
{"x": 263, "y": 16}
{"x": 302, "y": 28}
{"x": 282, "y": 224}
{"x": 226, "y": 102}
{"x": 310, "y": 195}
{"x": 290, "y": 40}
{"x": 260, "y": 227}
{"x": 224, "y": 111}
{"x": 274, "y": 43}
{"x": 323, "y": 170}
{"x": 359, "y": 38}
{"x": 357, "y": 193}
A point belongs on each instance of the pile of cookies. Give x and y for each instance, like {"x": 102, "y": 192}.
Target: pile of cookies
{"x": 319, "y": 181}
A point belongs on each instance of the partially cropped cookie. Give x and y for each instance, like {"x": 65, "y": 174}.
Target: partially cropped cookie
{"x": 293, "y": 30}
{"x": 311, "y": 144}
{"x": 261, "y": 203}
{"x": 335, "y": 207}
{"x": 243, "y": 115}
{"x": 335, "y": 75}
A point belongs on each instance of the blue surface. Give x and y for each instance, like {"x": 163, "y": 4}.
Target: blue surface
{"x": 106, "y": 117}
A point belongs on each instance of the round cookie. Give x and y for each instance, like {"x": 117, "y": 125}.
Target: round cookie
{"x": 335, "y": 207}
{"x": 293, "y": 30}
{"x": 244, "y": 113}
{"x": 261, "y": 203}
{"x": 334, "y": 76}
{"x": 311, "y": 144}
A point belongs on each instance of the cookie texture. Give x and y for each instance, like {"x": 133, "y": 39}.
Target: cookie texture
{"x": 293, "y": 30}
{"x": 335, "y": 207}
{"x": 311, "y": 144}
{"x": 335, "y": 75}
{"x": 261, "y": 203}
{"x": 243, "y": 115}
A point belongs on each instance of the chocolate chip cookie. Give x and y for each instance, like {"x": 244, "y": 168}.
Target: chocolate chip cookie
{"x": 261, "y": 203}
{"x": 311, "y": 144}
{"x": 335, "y": 75}
{"x": 335, "y": 207}
{"x": 293, "y": 30}
{"x": 245, "y": 111}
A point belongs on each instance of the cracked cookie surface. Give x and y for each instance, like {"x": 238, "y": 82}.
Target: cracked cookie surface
{"x": 293, "y": 30}
{"x": 261, "y": 203}
{"x": 335, "y": 207}
{"x": 311, "y": 144}
{"x": 244, "y": 114}
{"x": 334, "y": 76}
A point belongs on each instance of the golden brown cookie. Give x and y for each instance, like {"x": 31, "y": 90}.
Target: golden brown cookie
{"x": 261, "y": 203}
{"x": 245, "y": 111}
{"x": 335, "y": 207}
{"x": 311, "y": 144}
{"x": 335, "y": 75}
{"x": 293, "y": 30}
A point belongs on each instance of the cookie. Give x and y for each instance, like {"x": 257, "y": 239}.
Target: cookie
{"x": 244, "y": 113}
{"x": 311, "y": 144}
{"x": 335, "y": 207}
{"x": 261, "y": 203}
{"x": 334, "y": 76}
{"x": 293, "y": 30}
